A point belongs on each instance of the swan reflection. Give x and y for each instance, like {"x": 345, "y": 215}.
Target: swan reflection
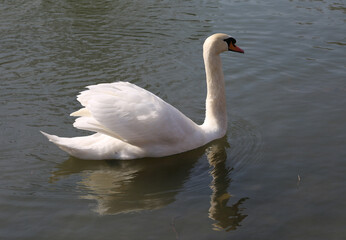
{"x": 130, "y": 186}
{"x": 226, "y": 217}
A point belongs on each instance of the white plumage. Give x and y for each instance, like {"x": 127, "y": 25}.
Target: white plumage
{"x": 131, "y": 122}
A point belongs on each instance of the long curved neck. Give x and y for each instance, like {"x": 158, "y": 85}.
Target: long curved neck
{"x": 216, "y": 114}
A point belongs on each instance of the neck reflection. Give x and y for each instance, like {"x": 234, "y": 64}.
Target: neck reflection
{"x": 225, "y": 217}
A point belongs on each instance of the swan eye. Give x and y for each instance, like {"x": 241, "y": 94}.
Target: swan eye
{"x": 230, "y": 40}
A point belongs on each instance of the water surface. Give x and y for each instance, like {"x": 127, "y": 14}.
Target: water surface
{"x": 278, "y": 174}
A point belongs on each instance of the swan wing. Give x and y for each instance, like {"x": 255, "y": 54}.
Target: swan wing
{"x": 131, "y": 114}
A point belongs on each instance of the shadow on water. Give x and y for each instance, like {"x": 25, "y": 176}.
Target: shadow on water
{"x": 152, "y": 183}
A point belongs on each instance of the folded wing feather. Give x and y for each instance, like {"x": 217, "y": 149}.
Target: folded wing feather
{"x": 131, "y": 114}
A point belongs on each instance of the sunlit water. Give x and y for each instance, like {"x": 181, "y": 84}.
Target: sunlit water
{"x": 278, "y": 174}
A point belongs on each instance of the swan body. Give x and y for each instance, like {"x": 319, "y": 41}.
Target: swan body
{"x": 130, "y": 122}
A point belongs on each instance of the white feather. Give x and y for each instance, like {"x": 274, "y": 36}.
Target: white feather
{"x": 131, "y": 122}
{"x": 132, "y": 114}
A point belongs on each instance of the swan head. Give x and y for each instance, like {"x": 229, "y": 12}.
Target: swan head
{"x": 220, "y": 42}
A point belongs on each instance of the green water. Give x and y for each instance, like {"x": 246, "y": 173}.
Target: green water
{"x": 278, "y": 174}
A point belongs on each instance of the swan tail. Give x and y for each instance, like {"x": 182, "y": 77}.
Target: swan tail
{"x": 97, "y": 146}
{"x": 79, "y": 147}
{"x": 51, "y": 138}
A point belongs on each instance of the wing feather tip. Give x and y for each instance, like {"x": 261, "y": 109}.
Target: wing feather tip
{"x": 83, "y": 112}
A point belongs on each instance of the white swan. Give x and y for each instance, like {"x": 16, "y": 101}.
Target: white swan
{"x": 131, "y": 122}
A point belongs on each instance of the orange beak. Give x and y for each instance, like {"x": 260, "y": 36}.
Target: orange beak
{"x": 232, "y": 47}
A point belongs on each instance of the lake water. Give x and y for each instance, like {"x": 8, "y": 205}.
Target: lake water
{"x": 278, "y": 174}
